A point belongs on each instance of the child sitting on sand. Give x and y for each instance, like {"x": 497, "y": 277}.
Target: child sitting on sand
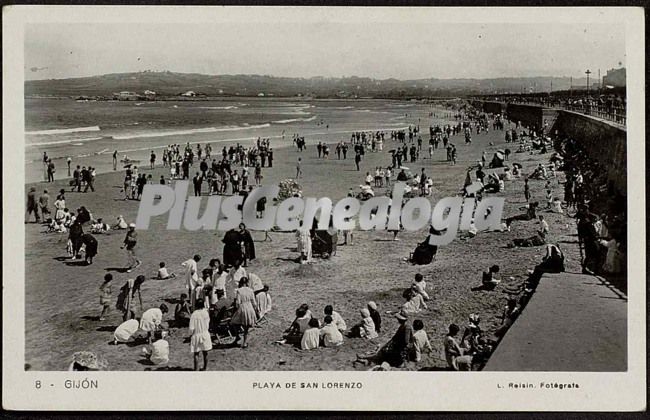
{"x": 420, "y": 340}
{"x": 182, "y": 312}
{"x": 99, "y": 226}
{"x": 414, "y": 302}
{"x": 366, "y": 328}
{"x": 330, "y": 334}
{"x": 336, "y": 318}
{"x": 374, "y": 314}
{"x": 121, "y": 223}
{"x": 158, "y": 352}
{"x": 489, "y": 279}
{"x": 294, "y": 333}
{"x": 311, "y": 337}
{"x": 163, "y": 274}
{"x": 419, "y": 286}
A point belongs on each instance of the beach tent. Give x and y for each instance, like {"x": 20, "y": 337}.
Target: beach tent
{"x": 497, "y": 159}
{"x": 324, "y": 242}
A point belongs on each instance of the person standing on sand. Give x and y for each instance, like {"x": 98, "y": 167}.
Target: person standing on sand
{"x": 50, "y": 171}
{"x": 357, "y": 160}
{"x": 44, "y": 204}
{"x": 115, "y": 160}
{"x": 197, "y": 181}
{"x": 88, "y": 179}
{"x": 152, "y": 160}
{"x": 31, "y": 205}
{"x": 299, "y": 168}
{"x": 269, "y": 157}
{"x": 199, "y": 327}
{"x": 106, "y": 295}
{"x": 45, "y": 159}
{"x": 192, "y": 277}
{"x": 246, "y": 310}
{"x": 526, "y": 190}
{"x": 69, "y": 164}
{"x": 129, "y": 243}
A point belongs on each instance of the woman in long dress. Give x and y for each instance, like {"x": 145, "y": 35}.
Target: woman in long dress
{"x": 232, "y": 248}
{"x": 59, "y": 206}
{"x": 246, "y": 310}
{"x": 91, "y": 247}
{"x": 76, "y": 233}
{"x": 249, "y": 245}
{"x": 304, "y": 245}
{"x": 200, "y": 342}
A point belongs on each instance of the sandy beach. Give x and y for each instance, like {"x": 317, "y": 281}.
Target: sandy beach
{"x": 62, "y": 297}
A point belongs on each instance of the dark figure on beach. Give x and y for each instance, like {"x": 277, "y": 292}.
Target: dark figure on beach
{"x": 50, "y": 171}
{"x": 395, "y": 352}
{"x": 76, "y": 232}
{"x": 197, "y": 181}
{"x": 31, "y": 205}
{"x": 529, "y": 215}
{"x": 232, "y": 251}
{"x": 87, "y": 177}
{"x": 588, "y": 239}
{"x": 357, "y": 160}
{"x": 83, "y": 215}
{"x": 76, "y": 176}
{"x": 91, "y": 247}
{"x": 248, "y": 244}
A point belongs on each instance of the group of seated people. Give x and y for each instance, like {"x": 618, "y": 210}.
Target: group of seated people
{"x": 64, "y": 219}
{"x": 410, "y": 340}
{"x": 308, "y": 333}
{"x": 544, "y": 171}
{"x": 472, "y": 350}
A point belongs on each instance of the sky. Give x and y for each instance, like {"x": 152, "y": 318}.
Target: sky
{"x": 364, "y": 48}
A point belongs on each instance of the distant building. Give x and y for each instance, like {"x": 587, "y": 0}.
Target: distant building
{"x": 189, "y": 93}
{"x": 126, "y": 96}
{"x": 260, "y": 94}
{"x": 149, "y": 93}
{"x": 615, "y": 77}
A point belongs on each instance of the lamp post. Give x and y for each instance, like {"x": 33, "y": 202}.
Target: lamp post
{"x": 588, "y": 72}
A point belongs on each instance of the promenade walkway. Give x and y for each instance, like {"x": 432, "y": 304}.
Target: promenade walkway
{"x": 574, "y": 322}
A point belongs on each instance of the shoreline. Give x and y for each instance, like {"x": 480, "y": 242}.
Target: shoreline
{"x": 101, "y": 160}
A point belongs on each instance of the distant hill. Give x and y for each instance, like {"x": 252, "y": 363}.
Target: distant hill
{"x": 172, "y": 84}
